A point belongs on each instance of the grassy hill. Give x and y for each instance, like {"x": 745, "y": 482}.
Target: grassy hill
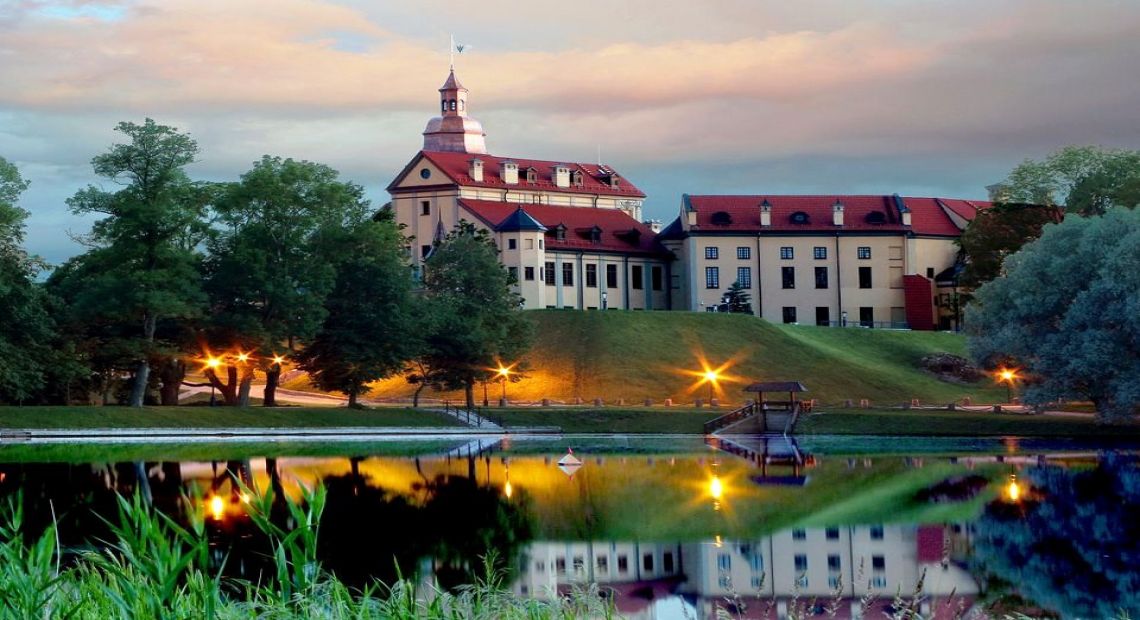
{"x": 638, "y": 355}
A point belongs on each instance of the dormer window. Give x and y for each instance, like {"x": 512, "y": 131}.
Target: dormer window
{"x": 799, "y": 217}
{"x": 576, "y": 178}
{"x": 876, "y": 217}
{"x": 593, "y": 233}
{"x": 531, "y": 175}
{"x": 721, "y": 218}
{"x": 559, "y": 232}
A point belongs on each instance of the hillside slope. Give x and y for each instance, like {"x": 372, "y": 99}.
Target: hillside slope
{"x": 638, "y": 355}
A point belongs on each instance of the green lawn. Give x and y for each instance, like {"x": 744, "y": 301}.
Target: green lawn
{"x": 956, "y": 423}
{"x": 610, "y": 420}
{"x": 214, "y": 417}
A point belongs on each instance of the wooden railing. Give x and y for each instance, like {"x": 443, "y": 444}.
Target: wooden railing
{"x": 732, "y": 417}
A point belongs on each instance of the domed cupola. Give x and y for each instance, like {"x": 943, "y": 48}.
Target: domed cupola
{"x": 453, "y": 130}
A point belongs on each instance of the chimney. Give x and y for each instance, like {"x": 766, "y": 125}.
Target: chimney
{"x": 510, "y": 173}
{"x": 837, "y": 213}
{"x": 476, "y": 172}
{"x": 906, "y": 217}
{"x": 691, "y": 217}
{"x": 614, "y": 179}
{"x": 765, "y": 213}
{"x": 562, "y": 175}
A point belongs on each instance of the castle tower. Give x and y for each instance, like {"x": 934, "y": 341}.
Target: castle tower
{"x": 453, "y": 130}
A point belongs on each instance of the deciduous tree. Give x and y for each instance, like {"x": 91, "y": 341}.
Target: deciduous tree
{"x": 478, "y": 323}
{"x": 1086, "y": 180}
{"x": 271, "y": 262}
{"x": 364, "y": 336}
{"x": 145, "y": 244}
{"x": 997, "y": 232}
{"x": 1066, "y": 308}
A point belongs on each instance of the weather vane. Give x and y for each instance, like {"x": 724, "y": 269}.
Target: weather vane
{"x": 453, "y": 49}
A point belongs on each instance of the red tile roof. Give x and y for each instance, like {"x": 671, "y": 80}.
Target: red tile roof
{"x": 861, "y": 213}
{"x": 594, "y": 177}
{"x": 615, "y": 226}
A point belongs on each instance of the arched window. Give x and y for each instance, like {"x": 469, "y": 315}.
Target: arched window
{"x": 461, "y": 104}
{"x": 452, "y": 105}
{"x": 443, "y": 105}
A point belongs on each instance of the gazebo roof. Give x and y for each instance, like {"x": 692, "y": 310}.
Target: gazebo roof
{"x": 777, "y": 386}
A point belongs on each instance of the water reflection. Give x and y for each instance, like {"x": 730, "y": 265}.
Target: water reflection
{"x": 753, "y": 526}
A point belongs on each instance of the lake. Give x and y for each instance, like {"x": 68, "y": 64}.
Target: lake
{"x": 670, "y": 527}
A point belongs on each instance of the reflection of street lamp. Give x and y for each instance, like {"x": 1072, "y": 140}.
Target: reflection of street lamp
{"x": 1013, "y": 490}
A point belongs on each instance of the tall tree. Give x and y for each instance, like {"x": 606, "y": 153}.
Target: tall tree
{"x": 737, "y": 299}
{"x": 271, "y": 262}
{"x": 998, "y": 232}
{"x": 27, "y": 332}
{"x": 478, "y": 324}
{"x": 364, "y": 336}
{"x": 1086, "y": 180}
{"x": 145, "y": 244}
{"x": 1066, "y": 310}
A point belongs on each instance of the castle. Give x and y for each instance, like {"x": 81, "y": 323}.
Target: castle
{"x": 572, "y": 235}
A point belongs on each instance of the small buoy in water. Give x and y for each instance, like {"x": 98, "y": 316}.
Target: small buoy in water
{"x": 569, "y": 464}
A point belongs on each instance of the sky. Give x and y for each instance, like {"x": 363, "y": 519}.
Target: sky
{"x": 918, "y": 97}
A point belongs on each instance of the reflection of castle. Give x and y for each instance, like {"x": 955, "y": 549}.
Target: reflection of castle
{"x": 877, "y": 561}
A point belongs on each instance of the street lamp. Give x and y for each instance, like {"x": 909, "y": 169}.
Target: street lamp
{"x": 605, "y": 300}
{"x": 1008, "y": 376}
{"x": 212, "y": 363}
{"x": 711, "y": 377}
{"x": 503, "y": 373}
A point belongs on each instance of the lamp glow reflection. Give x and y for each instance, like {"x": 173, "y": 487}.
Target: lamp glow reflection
{"x": 1013, "y": 489}
{"x": 217, "y": 507}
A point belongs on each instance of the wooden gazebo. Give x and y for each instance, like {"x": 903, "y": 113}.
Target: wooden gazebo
{"x": 764, "y": 387}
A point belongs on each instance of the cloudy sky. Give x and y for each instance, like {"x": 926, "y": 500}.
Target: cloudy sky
{"x": 920, "y": 97}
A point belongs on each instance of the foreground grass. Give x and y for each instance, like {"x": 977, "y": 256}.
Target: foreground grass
{"x": 958, "y": 424}
{"x": 215, "y": 417}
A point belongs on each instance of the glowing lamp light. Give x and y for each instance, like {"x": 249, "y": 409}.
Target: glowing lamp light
{"x": 718, "y": 542}
{"x": 1007, "y": 375}
{"x": 217, "y": 507}
{"x": 716, "y": 488}
{"x": 1013, "y": 490}
{"x": 243, "y": 357}
{"x": 711, "y": 376}
{"x": 213, "y": 362}
{"x": 508, "y": 490}
{"x": 503, "y": 372}
{"x": 277, "y": 359}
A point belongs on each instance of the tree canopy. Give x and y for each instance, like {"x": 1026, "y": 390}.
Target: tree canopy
{"x": 477, "y": 324}
{"x": 998, "y": 232}
{"x": 1086, "y": 180}
{"x": 1066, "y": 309}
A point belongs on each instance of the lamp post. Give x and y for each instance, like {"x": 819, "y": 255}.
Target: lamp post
{"x": 1008, "y": 376}
{"x": 212, "y": 363}
{"x": 503, "y": 373}
{"x": 605, "y": 300}
{"x": 711, "y": 376}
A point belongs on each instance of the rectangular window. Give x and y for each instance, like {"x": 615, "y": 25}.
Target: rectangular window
{"x": 819, "y": 252}
{"x": 425, "y": 250}
{"x": 833, "y": 582}
{"x": 560, "y": 565}
{"x": 528, "y": 244}
{"x": 878, "y": 563}
{"x": 548, "y": 273}
{"x": 724, "y": 562}
{"x": 540, "y": 244}
{"x": 712, "y": 252}
{"x": 657, "y": 277}
{"x": 603, "y": 564}
{"x": 637, "y": 276}
{"x": 894, "y": 252}
{"x": 592, "y": 276}
{"x": 821, "y": 277}
{"x": 756, "y": 562}
{"x": 834, "y": 563}
{"x": 425, "y": 208}
{"x": 867, "y": 316}
{"x": 623, "y": 564}
{"x": 823, "y": 316}
{"x": 667, "y": 562}
{"x": 647, "y": 562}
{"x": 744, "y": 276}
{"x": 832, "y": 533}
{"x": 930, "y": 273}
{"x": 896, "y": 276}
{"x": 712, "y": 277}
{"x": 864, "y": 277}
{"x": 787, "y": 253}
{"x": 878, "y": 581}
{"x": 789, "y": 314}
{"x": 788, "y": 274}
{"x": 512, "y": 244}
{"x": 567, "y": 274}
{"x": 579, "y": 565}
{"x": 611, "y": 276}
{"x": 876, "y": 532}
{"x": 798, "y": 533}
{"x": 528, "y": 273}
{"x": 743, "y": 252}
{"x": 801, "y": 563}
{"x": 864, "y": 253}
{"x": 514, "y": 273}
